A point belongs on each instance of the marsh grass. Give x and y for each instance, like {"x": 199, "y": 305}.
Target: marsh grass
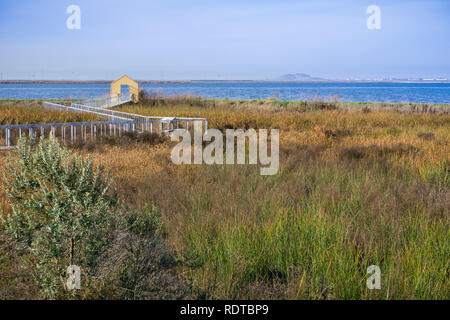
{"x": 355, "y": 188}
{"x": 22, "y": 112}
{"x": 160, "y": 99}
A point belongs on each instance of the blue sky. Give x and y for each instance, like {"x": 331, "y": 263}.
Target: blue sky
{"x": 197, "y": 39}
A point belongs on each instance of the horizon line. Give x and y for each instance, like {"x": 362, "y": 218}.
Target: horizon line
{"x": 399, "y": 80}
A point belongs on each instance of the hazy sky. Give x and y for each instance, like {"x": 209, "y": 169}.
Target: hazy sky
{"x": 223, "y": 39}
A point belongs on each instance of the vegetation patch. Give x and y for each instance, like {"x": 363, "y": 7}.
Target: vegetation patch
{"x": 355, "y": 188}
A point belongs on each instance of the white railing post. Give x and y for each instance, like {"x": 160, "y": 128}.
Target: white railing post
{"x": 8, "y": 137}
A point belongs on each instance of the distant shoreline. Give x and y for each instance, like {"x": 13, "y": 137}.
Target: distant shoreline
{"x": 216, "y": 81}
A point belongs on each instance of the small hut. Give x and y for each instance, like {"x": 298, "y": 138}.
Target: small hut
{"x": 125, "y": 86}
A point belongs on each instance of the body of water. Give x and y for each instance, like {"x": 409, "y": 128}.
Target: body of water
{"x": 381, "y": 92}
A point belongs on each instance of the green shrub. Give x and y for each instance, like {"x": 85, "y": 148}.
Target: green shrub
{"x": 61, "y": 212}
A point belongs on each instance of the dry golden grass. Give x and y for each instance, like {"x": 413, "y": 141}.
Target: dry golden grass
{"x": 354, "y": 189}
{"x": 377, "y": 181}
{"x": 23, "y": 112}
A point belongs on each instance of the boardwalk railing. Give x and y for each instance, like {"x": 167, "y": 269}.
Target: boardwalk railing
{"x": 107, "y": 102}
{"x": 71, "y": 131}
{"x": 142, "y": 123}
{"x": 76, "y": 107}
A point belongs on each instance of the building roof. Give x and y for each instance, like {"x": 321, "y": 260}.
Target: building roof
{"x": 125, "y": 77}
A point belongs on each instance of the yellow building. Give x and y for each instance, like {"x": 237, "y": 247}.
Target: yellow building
{"x": 120, "y": 84}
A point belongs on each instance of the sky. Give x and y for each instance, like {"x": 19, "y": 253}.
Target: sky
{"x": 223, "y": 39}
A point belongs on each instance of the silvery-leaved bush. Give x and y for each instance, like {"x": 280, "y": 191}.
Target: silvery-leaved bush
{"x": 61, "y": 211}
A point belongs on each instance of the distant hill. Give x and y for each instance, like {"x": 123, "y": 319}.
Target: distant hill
{"x": 297, "y": 77}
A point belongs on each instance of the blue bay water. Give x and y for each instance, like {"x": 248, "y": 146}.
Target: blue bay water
{"x": 366, "y": 92}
